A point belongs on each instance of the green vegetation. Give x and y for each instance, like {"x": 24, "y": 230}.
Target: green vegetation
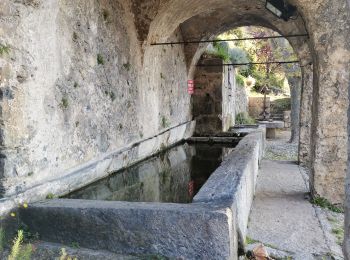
{"x": 162, "y": 76}
{"x": 165, "y": 123}
{"x": 112, "y": 95}
{"x": 75, "y": 245}
{"x": 4, "y": 49}
{"x": 105, "y": 15}
{"x": 162, "y": 147}
{"x": 65, "y": 256}
{"x": 240, "y": 79}
{"x": 250, "y": 241}
{"x": 221, "y": 51}
{"x": 64, "y": 103}
{"x": 75, "y": 36}
{"x": 20, "y": 251}
{"x": 282, "y": 104}
{"x": 244, "y": 119}
{"x": 324, "y": 203}
{"x": 2, "y": 239}
{"x": 100, "y": 59}
{"x": 28, "y": 236}
{"x": 272, "y": 75}
{"x": 339, "y": 234}
{"x": 127, "y": 66}
{"x": 50, "y": 196}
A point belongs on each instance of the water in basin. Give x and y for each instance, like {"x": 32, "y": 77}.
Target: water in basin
{"x": 173, "y": 176}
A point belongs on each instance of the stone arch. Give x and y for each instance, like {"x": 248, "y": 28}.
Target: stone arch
{"x": 206, "y": 23}
{"x": 325, "y": 73}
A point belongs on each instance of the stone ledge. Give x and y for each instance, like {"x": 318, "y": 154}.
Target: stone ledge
{"x": 273, "y": 124}
{"x": 233, "y": 184}
{"x": 172, "y": 230}
{"x": 100, "y": 167}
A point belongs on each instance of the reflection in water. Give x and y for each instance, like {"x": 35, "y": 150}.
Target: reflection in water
{"x": 174, "y": 176}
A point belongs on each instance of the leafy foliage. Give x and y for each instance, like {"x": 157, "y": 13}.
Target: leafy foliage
{"x": 65, "y": 256}
{"x": 165, "y": 122}
{"x": 240, "y": 80}
{"x": 50, "y": 196}
{"x": 20, "y": 251}
{"x": 244, "y": 119}
{"x": 221, "y": 50}
{"x": 4, "y": 49}
{"x": 2, "y": 239}
{"x": 282, "y": 104}
{"x": 324, "y": 203}
{"x": 271, "y": 75}
{"x": 100, "y": 59}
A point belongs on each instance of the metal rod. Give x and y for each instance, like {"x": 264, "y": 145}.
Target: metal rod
{"x": 232, "y": 40}
{"x": 248, "y": 63}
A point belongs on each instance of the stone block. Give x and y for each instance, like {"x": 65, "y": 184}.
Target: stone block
{"x": 172, "y": 230}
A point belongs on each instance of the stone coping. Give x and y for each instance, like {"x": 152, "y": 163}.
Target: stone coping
{"x": 273, "y": 124}
{"x": 212, "y": 227}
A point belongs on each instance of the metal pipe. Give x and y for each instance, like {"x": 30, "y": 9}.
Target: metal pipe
{"x": 232, "y": 40}
{"x": 248, "y": 63}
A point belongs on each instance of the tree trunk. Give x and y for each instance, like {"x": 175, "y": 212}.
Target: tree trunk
{"x": 295, "y": 91}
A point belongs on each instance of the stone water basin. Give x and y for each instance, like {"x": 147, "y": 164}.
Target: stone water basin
{"x": 172, "y": 176}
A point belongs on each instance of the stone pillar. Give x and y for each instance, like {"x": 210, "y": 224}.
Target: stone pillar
{"x": 295, "y": 90}
{"x": 346, "y": 247}
{"x": 329, "y": 123}
{"x": 305, "y": 115}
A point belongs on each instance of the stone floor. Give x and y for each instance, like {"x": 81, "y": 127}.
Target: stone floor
{"x": 282, "y": 217}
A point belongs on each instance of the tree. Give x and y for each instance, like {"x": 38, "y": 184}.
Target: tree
{"x": 272, "y": 75}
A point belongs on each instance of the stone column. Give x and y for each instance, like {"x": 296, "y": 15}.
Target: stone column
{"x": 346, "y": 247}
{"x": 295, "y": 90}
{"x": 305, "y": 115}
{"x": 329, "y": 123}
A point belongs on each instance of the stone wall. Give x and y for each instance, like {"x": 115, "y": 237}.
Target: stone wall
{"x": 217, "y": 98}
{"x": 241, "y": 99}
{"x": 74, "y": 89}
{"x": 208, "y": 96}
{"x": 256, "y": 106}
{"x": 214, "y": 100}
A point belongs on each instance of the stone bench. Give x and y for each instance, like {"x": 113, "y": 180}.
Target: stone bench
{"x": 271, "y": 127}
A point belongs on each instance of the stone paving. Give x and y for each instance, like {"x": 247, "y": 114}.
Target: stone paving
{"x": 283, "y": 219}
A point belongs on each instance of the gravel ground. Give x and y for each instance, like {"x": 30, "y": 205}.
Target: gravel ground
{"x": 280, "y": 149}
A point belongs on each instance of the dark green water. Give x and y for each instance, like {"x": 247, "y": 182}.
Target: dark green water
{"x": 173, "y": 176}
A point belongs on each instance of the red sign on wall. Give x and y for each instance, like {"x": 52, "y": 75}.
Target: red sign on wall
{"x": 190, "y": 86}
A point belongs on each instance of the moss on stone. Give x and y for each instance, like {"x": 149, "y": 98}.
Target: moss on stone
{"x": 100, "y": 59}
